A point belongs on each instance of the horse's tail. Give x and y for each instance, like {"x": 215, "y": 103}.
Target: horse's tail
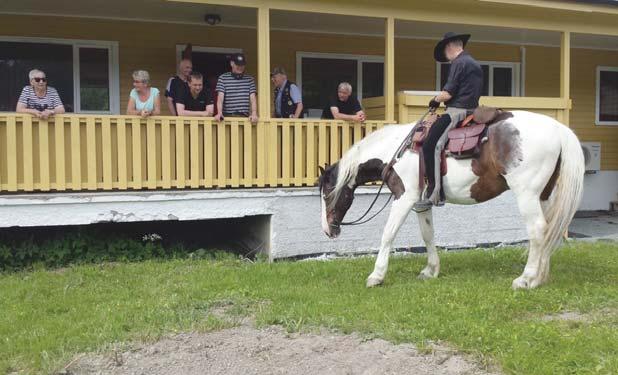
{"x": 565, "y": 199}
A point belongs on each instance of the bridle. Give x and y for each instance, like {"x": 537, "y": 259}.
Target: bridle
{"x": 385, "y": 176}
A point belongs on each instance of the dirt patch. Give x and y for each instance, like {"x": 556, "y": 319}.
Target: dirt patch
{"x": 578, "y": 317}
{"x": 247, "y": 350}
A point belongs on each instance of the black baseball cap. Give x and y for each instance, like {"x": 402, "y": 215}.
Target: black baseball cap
{"x": 239, "y": 59}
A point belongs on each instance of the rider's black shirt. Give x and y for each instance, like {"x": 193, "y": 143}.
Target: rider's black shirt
{"x": 465, "y": 82}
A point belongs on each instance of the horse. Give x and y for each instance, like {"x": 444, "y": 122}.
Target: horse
{"x": 535, "y": 156}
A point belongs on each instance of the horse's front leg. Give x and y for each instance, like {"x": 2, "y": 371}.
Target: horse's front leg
{"x": 399, "y": 211}
{"x": 425, "y": 221}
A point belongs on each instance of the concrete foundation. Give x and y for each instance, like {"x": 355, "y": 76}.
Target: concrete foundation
{"x": 294, "y": 228}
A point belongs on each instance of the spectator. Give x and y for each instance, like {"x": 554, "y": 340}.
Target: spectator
{"x": 288, "y": 99}
{"x": 197, "y": 100}
{"x": 39, "y": 99}
{"x": 236, "y": 93}
{"x": 143, "y": 100}
{"x": 344, "y": 106}
{"x": 178, "y": 84}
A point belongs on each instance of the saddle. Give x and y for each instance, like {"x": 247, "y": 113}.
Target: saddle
{"x": 464, "y": 141}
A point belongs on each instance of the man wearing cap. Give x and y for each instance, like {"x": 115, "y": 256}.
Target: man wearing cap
{"x": 236, "y": 92}
{"x": 288, "y": 99}
{"x": 461, "y": 95}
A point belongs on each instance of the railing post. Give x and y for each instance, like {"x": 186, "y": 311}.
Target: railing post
{"x": 565, "y": 70}
{"x": 263, "y": 51}
{"x": 389, "y": 69}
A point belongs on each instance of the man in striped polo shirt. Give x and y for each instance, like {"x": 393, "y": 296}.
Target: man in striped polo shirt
{"x": 236, "y": 93}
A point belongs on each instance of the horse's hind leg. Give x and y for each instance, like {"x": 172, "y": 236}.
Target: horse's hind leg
{"x": 425, "y": 221}
{"x": 399, "y": 211}
{"x": 534, "y": 273}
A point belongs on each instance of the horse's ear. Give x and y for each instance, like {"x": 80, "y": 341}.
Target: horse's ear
{"x": 321, "y": 170}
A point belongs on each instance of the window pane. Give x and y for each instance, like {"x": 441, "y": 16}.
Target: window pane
{"x": 94, "y": 79}
{"x": 18, "y": 58}
{"x": 503, "y": 81}
{"x": 321, "y": 77}
{"x": 373, "y": 79}
{"x": 485, "y": 91}
{"x": 608, "y": 96}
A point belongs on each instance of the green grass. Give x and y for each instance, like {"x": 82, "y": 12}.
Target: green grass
{"x": 46, "y": 317}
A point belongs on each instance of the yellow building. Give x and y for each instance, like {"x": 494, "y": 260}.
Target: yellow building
{"x": 555, "y": 57}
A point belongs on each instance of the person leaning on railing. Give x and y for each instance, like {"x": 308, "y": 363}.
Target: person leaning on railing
{"x": 236, "y": 92}
{"x": 196, "y": 101}
{"x": 344, "y": 106}
{"x": 143, "y": 99}
{"x": 38, "y": 99}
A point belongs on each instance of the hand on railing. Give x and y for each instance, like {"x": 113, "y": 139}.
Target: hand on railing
{"x": 253, "y": 118}
{"x": 219, "y": 117}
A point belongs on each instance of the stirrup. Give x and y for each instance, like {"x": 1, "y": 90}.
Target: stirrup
{"x": 422, "y": 205}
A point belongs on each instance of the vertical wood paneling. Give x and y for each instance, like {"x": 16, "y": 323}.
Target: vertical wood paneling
{"x": 298, "y": 153}
{"x": 273, "y": 153}
{"x": 61, "y": 177}
{"x": 262, "y": 154}
{"x": 345, "y": 137}
{"x": 166, "y": 154}
{"x": 44, "y": 161}
{"x": 76, "y": 167}
{"x": 312, "y": 171}
{"x": 121, "y": 133}
{"x": 208, "y": 152}
{"x": 91, "y": 152}
{"x": 248, "y": 153}
{"x": 180, "y": 154}
{"x": 106, "y": 133}
{"x": 286, "y": 154}
{"x": 322, "y": 145}
{"x": 28, "y": 158}
{"x": 195, "y": 153}
{"x": 235, "y": 153}
{"x": 334, "y": 142}
{"x": 11, "y": 153}
{"x": 221, "y": 154}
{"x": 136, "y": 141}
{"x": 151, "y": 159}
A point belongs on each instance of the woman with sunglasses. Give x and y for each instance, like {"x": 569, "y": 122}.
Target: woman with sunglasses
{"x": 143, "y": 99}
{"x": 39, "y": 99}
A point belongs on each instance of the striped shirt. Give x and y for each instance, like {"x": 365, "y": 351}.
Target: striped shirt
{"x": 236, "y": 93}
{"x": 51, "y": 99}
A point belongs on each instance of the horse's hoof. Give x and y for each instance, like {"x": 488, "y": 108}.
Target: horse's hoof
{"x": 373, "y": 281}
{"x": 523, "y": 282}
{"x": 427, "y": 274}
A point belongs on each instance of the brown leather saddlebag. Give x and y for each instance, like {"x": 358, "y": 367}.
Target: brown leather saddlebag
{"x": 464, "y": 142}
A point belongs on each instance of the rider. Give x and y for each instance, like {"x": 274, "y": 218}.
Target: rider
{"x": 461, "y": 95}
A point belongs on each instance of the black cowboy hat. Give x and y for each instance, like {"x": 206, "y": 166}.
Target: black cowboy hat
{"x": 438, "y": 52}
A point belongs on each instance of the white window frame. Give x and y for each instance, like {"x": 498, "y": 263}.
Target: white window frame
{"x": 597, "y": 105}
{"x": 360, "y": 59}
{"x": 113, "y": 67}
{"x": 181, "y": 47}
{"x": 515, "y": 77}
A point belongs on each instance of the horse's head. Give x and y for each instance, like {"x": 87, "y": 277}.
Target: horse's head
{"x": 335, "y": 204}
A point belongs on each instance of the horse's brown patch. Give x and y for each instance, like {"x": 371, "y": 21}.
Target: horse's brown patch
{"x": 498, "y": 155}
{"x": 373, "y": 170}
{"x": 552, "y": 181}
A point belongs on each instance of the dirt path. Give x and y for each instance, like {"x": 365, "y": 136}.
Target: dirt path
{"x": 247, "y": 350}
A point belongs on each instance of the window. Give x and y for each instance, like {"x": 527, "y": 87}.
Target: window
{"x": 607, "y": 96}
{"x": 84, "y": 73}
{"x": 499, "y": 78}
{"x": 318, "y": 75}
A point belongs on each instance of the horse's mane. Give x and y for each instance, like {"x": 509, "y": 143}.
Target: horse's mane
{"x": 350, "y": 161}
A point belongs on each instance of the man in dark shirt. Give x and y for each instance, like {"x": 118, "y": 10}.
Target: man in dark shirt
{"x": 177, "y": 85}
{"x": 461, "y": 95}
{"x": 196, "y": 101}
{"x": 344, "y": 106}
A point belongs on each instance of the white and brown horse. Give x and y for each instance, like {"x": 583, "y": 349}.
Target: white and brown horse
{"x": 535, "y": 156}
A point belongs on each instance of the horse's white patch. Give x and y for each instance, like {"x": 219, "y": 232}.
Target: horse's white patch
{"x": 325, "y": 226}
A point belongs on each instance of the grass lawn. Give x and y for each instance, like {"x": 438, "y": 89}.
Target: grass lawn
{"x": 47, "y": 316}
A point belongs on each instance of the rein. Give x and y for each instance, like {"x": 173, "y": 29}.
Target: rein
{"x": 385, "y": 175}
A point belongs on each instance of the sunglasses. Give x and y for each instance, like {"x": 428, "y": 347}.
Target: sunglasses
{"x": 40, "y": 79}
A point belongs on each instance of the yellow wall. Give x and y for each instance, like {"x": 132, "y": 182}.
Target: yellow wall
{"x": 583, "y": 92}
{"x": 152, "y": 46}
